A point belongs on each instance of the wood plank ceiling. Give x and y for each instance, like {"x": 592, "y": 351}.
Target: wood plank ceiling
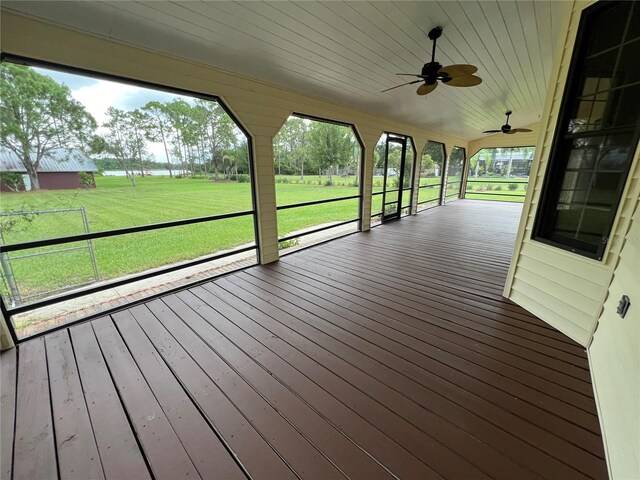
{"x": 350, "y": 51}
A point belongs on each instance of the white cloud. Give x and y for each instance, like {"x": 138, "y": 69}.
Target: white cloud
{"x": 103, "y": 94}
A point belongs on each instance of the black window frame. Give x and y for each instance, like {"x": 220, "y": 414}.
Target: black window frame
{"x": 458, "y": 195}
{"x": 443, "y": 167}
{"x": 405, "y": 139}
{"x": 519, "y": 182}
{"x": 359, "y": 195}
{"x": 8, "y": 311}
{"x": 562, "y": 144}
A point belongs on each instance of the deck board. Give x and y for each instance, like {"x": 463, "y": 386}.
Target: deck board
{"x": 75, "y": 443}
{"x": 119, "y": 451}
{"x": 34, "y": 445}
{"x": 8, "y": 379}
{"x": 381, "y": 354}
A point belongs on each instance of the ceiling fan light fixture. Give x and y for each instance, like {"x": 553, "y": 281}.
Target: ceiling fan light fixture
{"x": 506, "y": 128}
{"x": 459, "y": 75}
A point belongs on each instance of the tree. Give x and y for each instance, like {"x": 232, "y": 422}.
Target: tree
{"x": 38, "y": 115}
{"x": 217, "y": 128}
{"x": 137, "y": 144}
{"x": 157, "y": 127}
{"x": 330, "y": 145}
{"x": 289, "y": 144}
{"x": 116, "y": 141}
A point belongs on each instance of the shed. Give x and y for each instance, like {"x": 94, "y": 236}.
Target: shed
{"x": 60, "y": 169}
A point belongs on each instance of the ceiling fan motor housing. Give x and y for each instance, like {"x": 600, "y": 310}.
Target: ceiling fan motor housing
{"x": 430, "y": 70}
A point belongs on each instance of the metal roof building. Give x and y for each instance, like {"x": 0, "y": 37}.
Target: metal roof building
{"x": 58, "y": 160}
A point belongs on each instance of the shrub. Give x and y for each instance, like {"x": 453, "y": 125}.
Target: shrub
{"x": 328, "y": 183}
{"x": 498, "y": 188}
{"x": 13, "y": 180}
{"x": 469, "y": 187}
{"x": 243, "y": 178}
{"x": 85, "y": 180}
{"x": 233, "y": 177}
{"x": 294, "y": 242}
{"x": 489, "y": 188}
{"x": 389, "y": 209}
{"x": 513, "y": 186}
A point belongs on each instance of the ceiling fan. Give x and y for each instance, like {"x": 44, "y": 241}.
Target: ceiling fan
{"x": 506, "y": 128}
{"x": 453, "y": 75}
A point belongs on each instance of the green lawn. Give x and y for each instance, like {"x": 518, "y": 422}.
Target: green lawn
{"x": 496, "y": 188}
{"x": 115, "y": 204}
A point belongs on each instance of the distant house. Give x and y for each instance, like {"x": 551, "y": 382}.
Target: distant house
{"x": 60, "y": 169}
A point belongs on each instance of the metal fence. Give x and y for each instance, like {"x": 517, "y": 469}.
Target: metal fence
{"x": 8, "y": 260}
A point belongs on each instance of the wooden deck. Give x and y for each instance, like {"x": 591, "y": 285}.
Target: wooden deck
{"x": 380, "y": 355}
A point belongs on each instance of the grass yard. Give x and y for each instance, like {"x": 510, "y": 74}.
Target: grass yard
{"x": 115, "y": 204}
{"x": 496, "y": 188}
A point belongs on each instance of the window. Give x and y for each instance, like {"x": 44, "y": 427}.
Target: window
{"x": 499, "y": 174}
{"x": 455, "y": 168}
{"x": 317, "y": 170}
{"x": 431, "y": 175}
{"x": 597, "y": 132}
{"x": 120, "y": 184}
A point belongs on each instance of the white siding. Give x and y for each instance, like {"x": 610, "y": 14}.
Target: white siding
{"x": 564, "y": 289}
{"x": 615, "y": 363}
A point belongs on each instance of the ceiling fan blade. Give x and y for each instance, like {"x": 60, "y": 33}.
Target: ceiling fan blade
{"x": 458, "y": 70}
{"x": 521, "y": 130}
{"x": 398, "y": 86}
{"x": 463, "y": 81}
{"x": 492, "y": 131}
{"x": 510, "y": 132}
{"x": 425, "y": 88}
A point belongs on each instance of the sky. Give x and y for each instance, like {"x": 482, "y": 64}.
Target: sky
{"x": 97, "y": 95}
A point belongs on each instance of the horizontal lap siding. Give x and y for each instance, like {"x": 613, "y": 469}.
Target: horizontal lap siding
{"x": 564, "y": 289}
{"x": 615, "y": 363}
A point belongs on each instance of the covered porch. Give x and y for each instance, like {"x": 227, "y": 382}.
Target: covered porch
{"x": 384, "y": 354}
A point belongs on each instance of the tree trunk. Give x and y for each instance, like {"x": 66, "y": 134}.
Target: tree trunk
{"x": 33, "y": 176}
{"x": 166, "y": 152}
{"x": 510, "y": 163}
{"x": 32, "y": 170}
